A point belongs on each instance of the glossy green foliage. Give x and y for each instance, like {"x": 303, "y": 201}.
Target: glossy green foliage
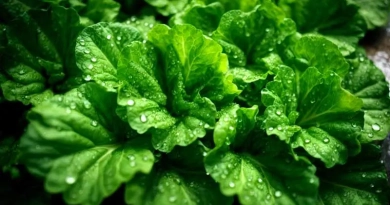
{"x": 159, "y": 102}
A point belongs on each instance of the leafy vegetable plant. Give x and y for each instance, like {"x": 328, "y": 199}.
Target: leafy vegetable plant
{"x": 192, "y": 102}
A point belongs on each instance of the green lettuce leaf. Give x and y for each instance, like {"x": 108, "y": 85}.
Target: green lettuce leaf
{"x": 259, "y": 178}
{"x": 368, "y": 83}
{"x": 168, "y": 7}
{"x": 311, "y": 110}
{"x": 98, "y": 51}
{"x": 143, "y": 24}
{"x": 77, "y": 142}
{"x": 39, "y": 52}
{"x": 375, "y": 13}
{"x": 242, "y": 40}
{"x": 92, "y": 11}
{"x": 361, "y": 181}
{"x": 167, "y": 186}
{"x": 338, "y": 21}
{"x": 200, "y": 15}
{"x": 316, "y": 51}
{"x": 170, "y": 97}
{"x": 206, "y": 14}
{"x": 101, "y": 10}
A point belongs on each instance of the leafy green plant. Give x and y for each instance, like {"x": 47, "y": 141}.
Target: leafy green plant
{"x": 192, "y": 102}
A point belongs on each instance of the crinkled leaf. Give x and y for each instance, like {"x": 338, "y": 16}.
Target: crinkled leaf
{"x": 167, "y": 186}
{"x": 242, "y": 40}
{"x": 312, "y": 111}
{"x": 75, "y": 142}
{"x": 368, "y": 83}
{"x": 168, "y": 7}
{"x": 256, "y": 179}
{"x": 144, "y": 103}
{"x": 98, "y": 51}
{"x": 186, "y": 49}
{"x": 361, "y": 181}
{"x": 336, "y": 20}
{"x": 161, "y": 95}
{"x": 375, "y": 13}
{"x": 200, "y": 15}
{"x": 263, "y": 180}
{"x": 39, "y": 52}
{"x": 316, "y": 51}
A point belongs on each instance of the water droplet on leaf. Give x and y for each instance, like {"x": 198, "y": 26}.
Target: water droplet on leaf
{"x": 70, "y": 180}
{"x": 143, "y": 118}
{"x": 375, "y": 127}
{"x": 130, "y": 102}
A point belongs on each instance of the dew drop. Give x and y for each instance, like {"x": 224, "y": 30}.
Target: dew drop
{"x": 93, "y": 59}
{"x": 87, "y": 104}
{"x": 279, "y": 127}
{"x": 172, "y": 199}
{"x": 70, "y": 180}
{"x": 375, "y": 127}
{"x": 307, "y": 141}
{"x": 132, "y": 164}
{"x": 231, "y": 128}
{"x": 72, "y": 105}
{"x": 86, "y": 51}
{"x": 143, "y": 118}
{"x": 231, "y": 184}
{"x": 21, "y": 72}
{"x": 270, "y": 128}
{"x": 118, "y": 38}
{"x": 363, "y": 175}
{"x": 94, "y": 123}
{"x": 326, "y": 140}
{"x": 260, "y": 180}
{"x": 370, "y": 135}
{"x": 130, "y": 102}
{"x": 278, "y": 194}
{"x": 87, "y": 78}
{"x": 278, "y": 112}
{"x": 90, "y": 66}
{"x": 108, "y": 36}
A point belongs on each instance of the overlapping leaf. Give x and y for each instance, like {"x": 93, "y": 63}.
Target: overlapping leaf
{"x": 173, "y": 96}
{"x": 76, "y": 142}
{"x": 338, "y": 21}
{"x": 39, "y": 52}
{"x": 256, "y": 179}
{"x": 308, "y": 108}
{"x": 361, "y": 181}
{"x": 368, "y": 83}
